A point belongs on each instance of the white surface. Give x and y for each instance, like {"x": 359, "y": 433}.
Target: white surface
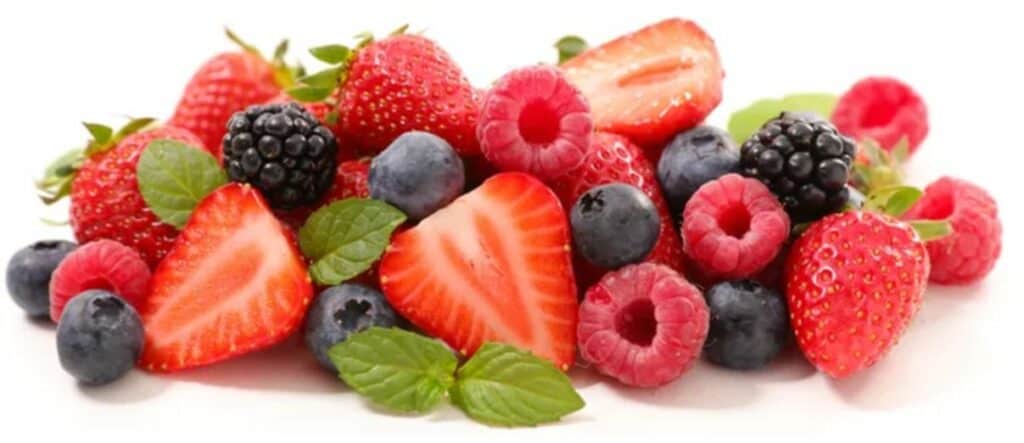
{"x": 956, "y": 372}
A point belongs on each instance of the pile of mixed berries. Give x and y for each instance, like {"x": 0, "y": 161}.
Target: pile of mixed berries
{"x": 574, "y": 211}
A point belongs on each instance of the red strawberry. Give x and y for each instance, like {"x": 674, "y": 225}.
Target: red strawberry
{"x": 105, "y": 198}
{"x": 652, "y": 83}
{"x": 854, "y": 281}
{"x": 227, "y": 83}
{"x": 494, "y": 265}
{"x": 234, "y": 282}
{"x": 613, "y": 158}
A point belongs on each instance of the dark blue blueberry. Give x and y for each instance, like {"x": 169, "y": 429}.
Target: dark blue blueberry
{"x": 614, "y": 225}
{"x": 342, "y": 310}
{"x": 749, "y": 324}
{"x": 693, "y": 158}
{"x": 99, "y": 337}
{"x": 29, "y": 271}
{"x": 419, "y": 173}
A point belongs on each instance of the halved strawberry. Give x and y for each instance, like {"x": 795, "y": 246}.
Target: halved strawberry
{"x": 493, "y": 265}
{"x": 652, "y": 83}
{"x": 233, "y": 283}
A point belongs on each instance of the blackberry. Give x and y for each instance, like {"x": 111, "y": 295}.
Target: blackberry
{"x": 804, "y": 160}
{"x": 283, "y": 151}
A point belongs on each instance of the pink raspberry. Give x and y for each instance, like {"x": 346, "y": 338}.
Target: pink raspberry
{"x": 884, "y": 110}
{"x": 643, "y": 324}
{"x": 969, "y": 253}
{"x": 101, "y": 264}
{"x": 733, "y": 227}
{"x": 534, "y": 121}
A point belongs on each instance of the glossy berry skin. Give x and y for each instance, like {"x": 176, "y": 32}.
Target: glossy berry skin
{"x": 29, "y": 272}
{"x": 970, "y": 252}
{"x": 733, "y": 227}
{"x": 282, "y": 150}
{"x": 854, "y": 282}
{"x": 224, "y": 85}
{"x": 106, "y": 202}
{"x": 99, "y": 337}
{"x": 326, "y": 113}
{"x": 343, "y": 310}
{"x": 693, "y": 158}
{"x": 749, "y": 324}
{"x": 405, "y": 83}
{"x": 642, "y": 325}
{"x": 102, "y": 264}
{"x": 534, "y": 121}
{"x": 804, "y": 161}
{"x": 614, "y": 225}
{"x": 882, "y": 109}
{"x": 419, "y": 174}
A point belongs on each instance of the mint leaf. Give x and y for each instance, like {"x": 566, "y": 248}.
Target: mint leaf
{"x": 745, "y": 122}
{"x": 397, "y": 369}
{"x": 331, "y": 54}
{"x": 893, "y": 200}
{"x": 173, "y": 177}
{"x": 344, "y": 238}
{"x": 502, "y": 385}
{"x": 930, "y": 230}
{"x": 569, "y": 47}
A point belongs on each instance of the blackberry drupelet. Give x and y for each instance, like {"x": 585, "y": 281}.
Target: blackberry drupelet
{"x": 282, "y": 150}
{"x": 804, "y": 161}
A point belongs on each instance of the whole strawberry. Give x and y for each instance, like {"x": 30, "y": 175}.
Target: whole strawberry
{"x": 105, "y": 197}
{"x": 227, "y": 83}
{"x": 853, "y": 282}
{"x": 396, "y": 85}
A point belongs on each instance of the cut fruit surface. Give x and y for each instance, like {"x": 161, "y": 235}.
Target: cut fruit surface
{"x": 234, "y": 282}
{"x": 494, "y": 265}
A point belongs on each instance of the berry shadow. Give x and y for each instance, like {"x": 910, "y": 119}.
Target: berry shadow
{"x": 136, "y": 387}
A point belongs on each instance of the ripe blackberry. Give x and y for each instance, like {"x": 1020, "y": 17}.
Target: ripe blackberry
{"x": 282, "y": 150}
{"x": 804, "y": 161}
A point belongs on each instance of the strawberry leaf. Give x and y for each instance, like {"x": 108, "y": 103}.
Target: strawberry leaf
{"x": 894, "y": 200}
{"x": 101, "y": 134}
{"x": 326, "y": 79}
{"x": 343, "y": 239}
{"x": 931, "y": 230}
{"x": 133, "y": 126}
{"x": 57, "y": 178}
{"x": 502, "y": 385}
{"x": 174, "y": 177}
{"x": 569, "y": 46}
{"x": 331, "y": 54}
{"x": 745, "y": 122}
{"x": 308, "y": 94}
{"x": 397, "y": 369}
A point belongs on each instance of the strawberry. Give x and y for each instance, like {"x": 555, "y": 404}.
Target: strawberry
{"x": 613, "y": 158}
{"x": 234, "y": 282}
{"x": 227, "y": 83}
{"x": 652, "y": 83}
{"x": 105, "y": 197}
{"x": 395, "y": 85}
{"x": 854, "y": 281}
{"x": 494, "y": 265}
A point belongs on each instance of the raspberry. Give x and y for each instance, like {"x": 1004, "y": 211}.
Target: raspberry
{"x": 534, "y": 121}
{"x": 643, "y": 324}
{"x": 884, "y": 110}
{"x": 733, "y": 227}
{"x": 970, "y": 252}
{"x": 102, "y": 264}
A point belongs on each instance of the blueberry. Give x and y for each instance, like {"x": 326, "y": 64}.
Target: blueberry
{"x": 693, "y": 158}
{"x": 342, "y": 310}
{"x": 99, "y": 337}
{"x": 614, "y": 225}
{"x": 29, "y": 271}
{"x": 749, "y": 324}
{"x": 419, "y": 173}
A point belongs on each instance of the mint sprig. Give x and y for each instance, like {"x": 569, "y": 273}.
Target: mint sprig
{"x": 174, "y": 177}
{"x": 745, "y": 122}
{"x": 343, "y": 239}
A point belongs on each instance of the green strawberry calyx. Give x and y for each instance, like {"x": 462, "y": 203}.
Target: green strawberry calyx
{"x": 285, "y": 75}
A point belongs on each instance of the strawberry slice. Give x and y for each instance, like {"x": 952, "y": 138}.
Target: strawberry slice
{"x": 494, "y": 265}
{"x": 234, "y": 282}
{"x": 652, "y": 83}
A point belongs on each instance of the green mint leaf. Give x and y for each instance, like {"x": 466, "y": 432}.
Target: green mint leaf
{"x": 396, "y": 369}
{"x": 893, "y": 200}
{"x": 101, "y": 134}
{"x": 930, "y": 230}
{"x": 343, "y": 239}
{"x": 745, "y": 122}
{"x": 569, "y": 47}
{"x": 309, "y": 94}
{"x": 502, "y": 385}
{"x": 173, "y": 177}
{"x": 326, "y": 79}
{"x": 331, "y": 54}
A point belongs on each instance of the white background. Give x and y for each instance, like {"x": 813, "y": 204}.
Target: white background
{"x": 956, "y": 374}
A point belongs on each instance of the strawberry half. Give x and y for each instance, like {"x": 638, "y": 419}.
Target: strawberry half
{"x": 652, "y": 83}
{"x": 493, "y": 265}
{"x": 233, "y": 283}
